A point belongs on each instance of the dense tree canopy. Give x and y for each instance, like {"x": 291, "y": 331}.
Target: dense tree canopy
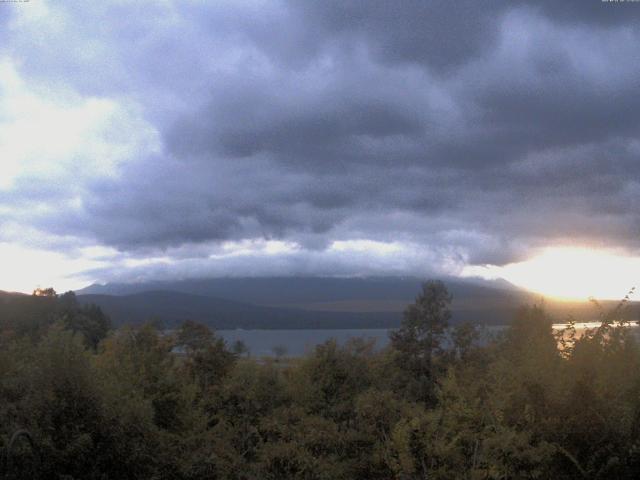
{"x": 81, "y": 401}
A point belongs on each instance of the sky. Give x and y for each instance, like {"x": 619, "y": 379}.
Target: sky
{"x": 165, "y": 139}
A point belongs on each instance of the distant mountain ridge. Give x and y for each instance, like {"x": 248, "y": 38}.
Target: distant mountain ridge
{"x": 297, "y": 302}
{"x": 283, "y": 290}
{"x": 172, "y": 308}
{"x": 311, "y": 302}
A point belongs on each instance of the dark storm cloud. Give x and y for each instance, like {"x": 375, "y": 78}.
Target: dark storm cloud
{"x": 480, "y": 128}
{"x": 440, "y": 34}
{"x": 312, "y": 133}
{"x": 593, "y": 13}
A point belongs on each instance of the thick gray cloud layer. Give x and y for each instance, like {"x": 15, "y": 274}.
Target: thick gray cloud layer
{"x": 482, "y": 128}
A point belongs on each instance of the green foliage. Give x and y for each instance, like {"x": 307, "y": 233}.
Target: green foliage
{"x": 418, "y": 341}
{"x": 78, "y": 401}
{"x": 31, "y": 316}
{"x": 88, "y": 320}
{"x": 207, "y": 359}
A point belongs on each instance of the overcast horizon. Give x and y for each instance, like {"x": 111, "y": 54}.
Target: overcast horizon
{"x": 164, "y": 140}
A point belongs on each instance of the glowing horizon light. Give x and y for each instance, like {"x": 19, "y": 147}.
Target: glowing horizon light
{"x": 569, "y": 273}
{"x": 24, "y": 269}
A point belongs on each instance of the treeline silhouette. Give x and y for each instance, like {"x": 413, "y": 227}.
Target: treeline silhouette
{"x": 79, "y": 400}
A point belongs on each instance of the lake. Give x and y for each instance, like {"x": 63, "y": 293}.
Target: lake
{"x": 299, "y": 342}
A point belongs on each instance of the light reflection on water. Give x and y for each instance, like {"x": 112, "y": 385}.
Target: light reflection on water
{"x": 588, "y": 325}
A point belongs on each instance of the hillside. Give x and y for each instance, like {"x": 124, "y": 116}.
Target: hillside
{"x": 296, "y": 302}
{"x": 302, "y": 290}
{"x": 171, "y": 308}
{"x": 313, "y": 302}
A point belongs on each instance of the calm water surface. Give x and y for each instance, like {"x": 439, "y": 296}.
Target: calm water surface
{"x": 299, "y": 342}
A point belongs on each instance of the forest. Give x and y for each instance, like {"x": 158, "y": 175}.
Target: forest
{"x": 82, "y": 400}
